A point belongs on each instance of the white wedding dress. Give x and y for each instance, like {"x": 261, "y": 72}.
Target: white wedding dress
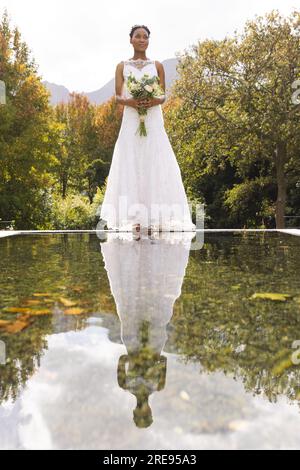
{"x": 144, "y": 184}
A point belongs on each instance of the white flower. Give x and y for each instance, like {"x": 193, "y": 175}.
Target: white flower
{"x": 148, "y": 88}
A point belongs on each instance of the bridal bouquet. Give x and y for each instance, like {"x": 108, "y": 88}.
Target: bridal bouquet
{"x": 146, "y": 87}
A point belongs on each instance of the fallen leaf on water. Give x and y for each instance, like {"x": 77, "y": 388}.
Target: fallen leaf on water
{"x": 17, "y": 310}
{"x": 31, "y": 302}
{"x": 41, "y": 294}
{"x": 74, "y": 311}
{"x": 41, "y": 311}
{"x": 67, "y": 302}
{"x": 16, "y": 327}
{"x": 270, "y": 296}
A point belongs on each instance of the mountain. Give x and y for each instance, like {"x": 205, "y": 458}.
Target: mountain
{"x": 60, "y": 93}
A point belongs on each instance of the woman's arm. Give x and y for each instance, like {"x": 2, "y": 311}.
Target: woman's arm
{"x": 119, "y": 81}
{"x": 162, "y": 81}
{"x": 149, "y": 102}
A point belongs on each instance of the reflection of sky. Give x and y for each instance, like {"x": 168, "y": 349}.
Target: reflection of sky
{"x": 74, "y": 401}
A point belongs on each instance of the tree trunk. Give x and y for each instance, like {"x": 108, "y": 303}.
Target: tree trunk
{"x": 280, "y": 159}
{"x": 64, "y": 187}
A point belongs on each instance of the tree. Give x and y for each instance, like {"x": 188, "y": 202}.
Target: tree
{"x": 88, "y": 135}
{"x": 27, "y": 135}
{"x": 236, "y": 105}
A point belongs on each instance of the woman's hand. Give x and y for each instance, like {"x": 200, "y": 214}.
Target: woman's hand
{"x": 133, "y": 103}
{"x": 142, "y": 102}
{"x": 149, "y": 102}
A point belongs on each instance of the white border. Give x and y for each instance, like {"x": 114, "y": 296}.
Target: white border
{"x": 9, "y": 233}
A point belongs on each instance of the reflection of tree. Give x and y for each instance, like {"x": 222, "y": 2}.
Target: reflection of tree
{"x": 61, "y": 266}
{"x": 25, "y": 350}
{"x": 214, "y": 322}
{"x": 142, "y": 372}
{"x": 250, "y": 339}
{"x": 24, "y": 353}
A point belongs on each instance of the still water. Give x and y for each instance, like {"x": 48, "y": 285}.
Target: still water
{"x": 147, "y": 343}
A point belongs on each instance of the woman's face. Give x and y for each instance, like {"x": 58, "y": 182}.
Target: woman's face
{"x": 140, "y": 40}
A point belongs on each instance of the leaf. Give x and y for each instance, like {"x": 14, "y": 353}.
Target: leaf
{"x": 41, "y": 311}
{"x": 41, "y": 294}
{"x": 270, "y": 296}
{"x": 67, "y": 302}
{"x": 17, "y": 310}
{"x": 16, "y": 326}
{"x": 74, "y": 311}
{"x": 31, "y": 302}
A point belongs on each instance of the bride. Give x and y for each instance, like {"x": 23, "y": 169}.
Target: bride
{"x": 144, "y": 188}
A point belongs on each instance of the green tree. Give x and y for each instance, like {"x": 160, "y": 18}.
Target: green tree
{"x": 87, "y": 138}
{"x": 27, "y": 135}
{"x": 235, "y": 106}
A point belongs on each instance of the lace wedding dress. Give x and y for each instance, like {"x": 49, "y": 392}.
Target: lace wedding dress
{"x": 144, "y": 184}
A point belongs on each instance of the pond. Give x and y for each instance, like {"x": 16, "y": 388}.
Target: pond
{"x": 146, "y": 343}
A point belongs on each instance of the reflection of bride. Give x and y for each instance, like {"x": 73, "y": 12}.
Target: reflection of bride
{"x": 145, "y": 277}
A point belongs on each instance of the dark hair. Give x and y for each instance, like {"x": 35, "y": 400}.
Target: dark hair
{"x": 136, "y": 26}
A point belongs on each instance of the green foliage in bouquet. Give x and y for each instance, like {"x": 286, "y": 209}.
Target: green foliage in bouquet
{"x": 146, "y": 87}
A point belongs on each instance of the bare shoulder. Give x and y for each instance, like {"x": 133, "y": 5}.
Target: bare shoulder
{"x": 120, "y": 65}
{"x": 159, "y": 65}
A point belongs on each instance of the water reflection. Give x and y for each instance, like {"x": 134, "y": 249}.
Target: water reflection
{"x": 145, "y": 276}
{"x": 220, "y": 360}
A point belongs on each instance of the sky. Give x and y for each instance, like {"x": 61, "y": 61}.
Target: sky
{"x": 79, "y": 43}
